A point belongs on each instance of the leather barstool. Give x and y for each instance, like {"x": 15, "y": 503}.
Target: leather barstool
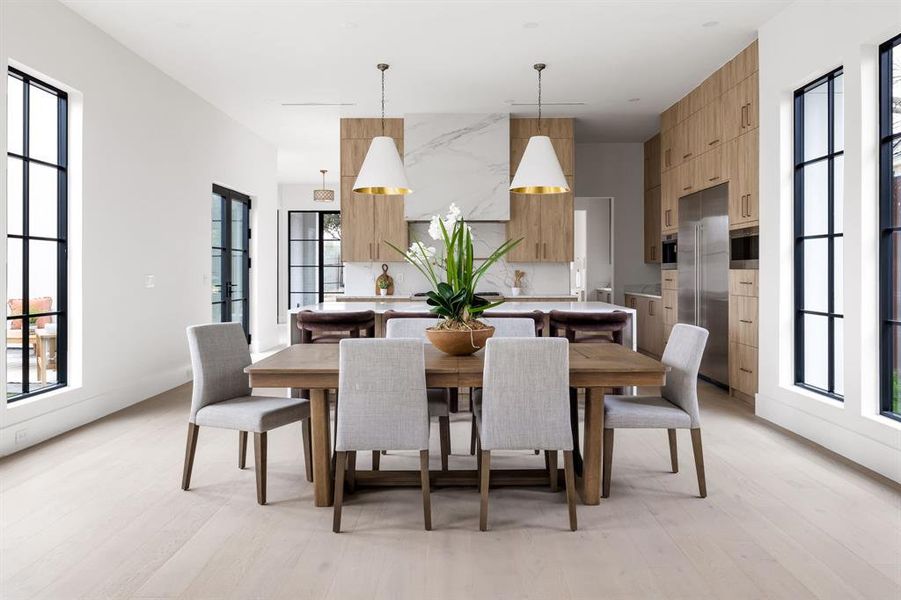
{"x": 581, "y": 328}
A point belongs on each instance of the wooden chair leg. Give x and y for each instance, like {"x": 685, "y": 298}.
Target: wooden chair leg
{"x": 570, "y": 477}
{"x": 673, "y": 452}
{"x": 351, "y": 471}
{"x": 259, "y": 457}
{"x": 550, "y": 458}
{"x": 242, "y": 449}
{"x": 472, "y": 437}
{"x": 376, "y": 459}
{"x": 426, "y": 496}
{"x": 340, "y": 465}
{"x": 307, "y": 448}
{"x": 190, "y": 447}
{"x": 453, "y": 398}
{"x": 484, "y": 484}
{"x": 444, "y": 434}
{"x": 608, "y": 463}
{"x": 699, "y": 461}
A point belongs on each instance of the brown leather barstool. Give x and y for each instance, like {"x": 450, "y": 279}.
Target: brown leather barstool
{"x": 331, "y": 328}
{"x": 581, "y": 328}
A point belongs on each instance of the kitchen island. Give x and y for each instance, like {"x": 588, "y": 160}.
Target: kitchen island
{"x": 380, "y": 307}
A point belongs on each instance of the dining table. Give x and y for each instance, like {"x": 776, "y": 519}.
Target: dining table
{"x": 594, "y": 367}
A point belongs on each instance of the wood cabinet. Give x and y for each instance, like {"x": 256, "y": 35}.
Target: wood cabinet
{"x": 740, "y": 108}
{"x": 743, "y": 368}
{"x": 669, "y": 202}
{"x": 652, "y": 225}
{"x": 666, "y": 150}
{"x": 368, "y": 221}
{"x": 743, "y": 282}
{"x": 649, "y": 322}
{"x": 652, "y": 162}
{"x": 687, "y": 181}
{"x": 712, "y": 125}
{"x": 744, "y": 184}
{"x": 743, "y": 330}
{"x": 545, "y": 222}
{"x": 713, "y": 169}
{"x": 743, "y": 320}
{"x": 669, "y": 282}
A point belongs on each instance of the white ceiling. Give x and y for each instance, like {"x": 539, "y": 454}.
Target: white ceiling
{"x": 248, "y": 57}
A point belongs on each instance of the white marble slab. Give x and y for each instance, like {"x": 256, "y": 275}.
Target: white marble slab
{"x": 458, "y": 158}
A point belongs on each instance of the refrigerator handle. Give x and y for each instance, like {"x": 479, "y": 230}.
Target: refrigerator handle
{"x": 697, "y": 275}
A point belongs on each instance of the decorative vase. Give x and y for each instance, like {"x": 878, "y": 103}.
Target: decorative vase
{"x": 383, "y": 291}
{"x": 515, "y": 291}
{"x": 459, "y": 342}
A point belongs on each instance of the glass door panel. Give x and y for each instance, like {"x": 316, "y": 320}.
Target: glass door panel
{"x": 231, "y": 257}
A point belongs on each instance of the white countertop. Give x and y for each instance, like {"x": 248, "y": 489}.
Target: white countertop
{"x": 402, "y": 298}
{"x": 381, "y": 306}
{"x": 655, "y": 296}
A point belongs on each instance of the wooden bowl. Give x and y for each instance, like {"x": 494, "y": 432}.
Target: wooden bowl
{"x": 459, "y": 342}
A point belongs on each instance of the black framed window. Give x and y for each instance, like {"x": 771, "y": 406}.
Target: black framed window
{"x": 315, "y": 270}
{"x": 890, "y": 226}
{"x": 36, "y": 229}
{"x": 230, "y": 219}
{"x": 819, "y": 182}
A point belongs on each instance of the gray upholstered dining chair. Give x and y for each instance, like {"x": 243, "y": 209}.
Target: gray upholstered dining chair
{"x": 675, "y": 408}
{"x": 525, "y": 405}
{"x": 383, "y": 406}
{"x": 222, "y": 398}
{"x": 504, "y": 327}
{"x": 439, "y": 398}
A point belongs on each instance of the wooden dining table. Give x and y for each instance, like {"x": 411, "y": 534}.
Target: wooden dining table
{"x": 593, "y": 367}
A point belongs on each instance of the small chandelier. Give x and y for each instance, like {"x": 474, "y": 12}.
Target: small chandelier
{"x": 323, "y": 195}
{"x": 539, "y": 170}
{"x": 382, "y": 171}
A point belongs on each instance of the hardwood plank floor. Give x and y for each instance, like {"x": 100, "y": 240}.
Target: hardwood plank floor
{"x": 98, "y": 513}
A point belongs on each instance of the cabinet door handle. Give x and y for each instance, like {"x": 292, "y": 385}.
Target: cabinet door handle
{"x": 744, "y": 112}
{"x": 716, "y": 141}
{"x": 650, "y": 309}
{"x": 667, "y": 157}
{"x": 545, "y": 250}
{"x": 714, "y": 178}
{"x": 668, "y": 307}
{"x": 685, "y": 189}
{"x": 537, "y": 253}
{"x": 745, "y": 282}
{"x": 745, "y": 321}
{"x": 684, "y": 156}
{"x": 743, "y": 370}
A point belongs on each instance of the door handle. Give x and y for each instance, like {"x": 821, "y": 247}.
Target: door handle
{"x": 745, "y": 321}
{"x": 744, "y": 370}
{"x": 650, "y": 309}
{"x": 744, "y": 111}
{"x": 685, "y": 189}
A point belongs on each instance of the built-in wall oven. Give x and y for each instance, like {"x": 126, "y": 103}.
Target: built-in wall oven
{"x": 743, "y": 248}
{"x": 668, "y": 246}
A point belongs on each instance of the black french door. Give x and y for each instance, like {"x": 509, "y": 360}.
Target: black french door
{"x": 231, "y": 257}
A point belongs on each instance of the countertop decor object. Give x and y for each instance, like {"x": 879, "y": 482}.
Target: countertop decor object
{"x": 382, "y": 171}
{"x": 323, "y": 195}
{"x": 539, "y": 170}
{"x": 453, "y": 278}
{"x": 384, "y": 283}
{"x": 518, "y": 276}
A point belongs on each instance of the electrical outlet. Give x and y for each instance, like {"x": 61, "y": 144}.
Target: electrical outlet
{"x": 21, "y": 437}
{"x": 149, "y": 281}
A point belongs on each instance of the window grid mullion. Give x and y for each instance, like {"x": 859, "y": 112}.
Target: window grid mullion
{"x": 830, "y": 227}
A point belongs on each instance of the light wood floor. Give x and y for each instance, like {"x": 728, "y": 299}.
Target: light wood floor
{"x": 98, "y": 513}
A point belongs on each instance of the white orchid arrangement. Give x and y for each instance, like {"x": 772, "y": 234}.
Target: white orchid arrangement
{"x": 454, "y": 298}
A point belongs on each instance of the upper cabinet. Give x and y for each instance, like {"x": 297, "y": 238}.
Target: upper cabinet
{"x": 652, "y": 172}
{"x": 368, "y": 221}
{"x": 545, "y": 221}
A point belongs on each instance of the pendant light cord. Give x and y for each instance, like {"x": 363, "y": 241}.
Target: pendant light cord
{"x": 383, "y": 101}
{"x": 539, "y": 101}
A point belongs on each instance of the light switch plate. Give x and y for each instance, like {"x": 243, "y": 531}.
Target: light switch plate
{"x": 149, "y": 281}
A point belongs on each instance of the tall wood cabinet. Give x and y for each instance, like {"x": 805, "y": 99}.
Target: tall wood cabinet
{"x": 743, "y": 331}
{"x": 368, "y": 221}
{"x": 545, "y": 222}
{"x": 652, "y": 211}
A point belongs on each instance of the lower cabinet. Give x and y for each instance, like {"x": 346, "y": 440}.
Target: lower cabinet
{"x": 743, "y": 331}
{"x": 743, "y": 368}
{"x": 650, "y": 322}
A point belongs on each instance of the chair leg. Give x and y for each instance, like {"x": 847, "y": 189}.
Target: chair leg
{"x": 699, "y": 461}
{"x": 444, "y": 434}
{"x": 426, "y": 496}
{"x": 190, "y": 447}
{"x": 242, "y": 449}
{"x": 550, "y": 458}
{"x": 259, "y": 457}
{"x": 351, "y": 471}
{"x": 472, "y": 437}
{"x": 608, "y": 463}
{"x": 570, "y": 476}
{"x": 376, "y": 459}
{"x": 340, "y": 464}
{"x": 484, "y": 479}
{"x": 307, "y": 448}
{"x": 673, "y": 452}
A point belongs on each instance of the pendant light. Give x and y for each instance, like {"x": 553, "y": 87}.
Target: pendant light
{"x": 323, "y": 195}
{"x": 539, "y": 170}
{"x": 382, "y": 171}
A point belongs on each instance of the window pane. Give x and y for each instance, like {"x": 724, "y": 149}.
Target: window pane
{"x": 15, "y": 303}
{"x": 237, "y": 311}
{"x": 15, "y": 199}
{"x": 15, "y": 118}
{"x": 838, "y": 275}
{"x": 896, "y": 88}
{"x": 331, "y": 252}
{"x": 816, "y": 350}
{"x": 815, "y": 275}
{"x": 217, "y": 220}
{"x": 838, "y": 364}
{"x": 333, "y": 279}
{"x": 216, "y": 314}
{"x": 895, "y": 344}
{"x": 303, "y": 253}
{"x": 217, "y": 275}
{"x": 42, "y": 274}
{"x": 895, "y": 208}
{"x": 304, "y": 279}
{"x": 42, "y": 125}
{"x": 838, "y": 95}
{"x": 838, "y": 191}
{"x": 331, "y": 227}
{"x": 894, "y": 276}
{"x": 237, "y": 282}
{"x": 239, "y": 224}
{"x": 299, "y": 300}
{"x": 42, "y": 201}
{"x": 302, "y": 226}
{"x": 14, "y": 361}
{"x": 816, "y": 198}
{"x": 816, "y": 113}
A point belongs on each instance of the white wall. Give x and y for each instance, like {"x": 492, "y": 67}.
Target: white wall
{"x": 801, "y": 43}
{"x": 598, "y": 242}
{"x": 617, "y": 170}
{"x": 139, "y": 204}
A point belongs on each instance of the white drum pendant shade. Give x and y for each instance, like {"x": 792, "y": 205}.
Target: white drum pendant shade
{"x": 382, "y": 171}
{"x": 539, "y": 171}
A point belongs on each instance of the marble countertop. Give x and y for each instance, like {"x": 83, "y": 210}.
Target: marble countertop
{"x": 380, "y": 306}
{"x": 643, "y": 294}
{"x": 403, "y": 298}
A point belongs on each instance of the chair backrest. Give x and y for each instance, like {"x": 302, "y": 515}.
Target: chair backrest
{"x": 682, "y": 355}
{"x": 408, "y": 327}
{"x": 219, "y": 353}
{"x": 382, "y": 402}
{"x": 511, "y": 327}
{"x": 536, "y": 315}
{"x": 525, "y": 395}
{"x": 589, "y": 322}
{"x": 335, "y": 325}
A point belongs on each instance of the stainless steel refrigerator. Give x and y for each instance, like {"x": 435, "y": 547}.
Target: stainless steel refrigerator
{"x": 703, "y": 259}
